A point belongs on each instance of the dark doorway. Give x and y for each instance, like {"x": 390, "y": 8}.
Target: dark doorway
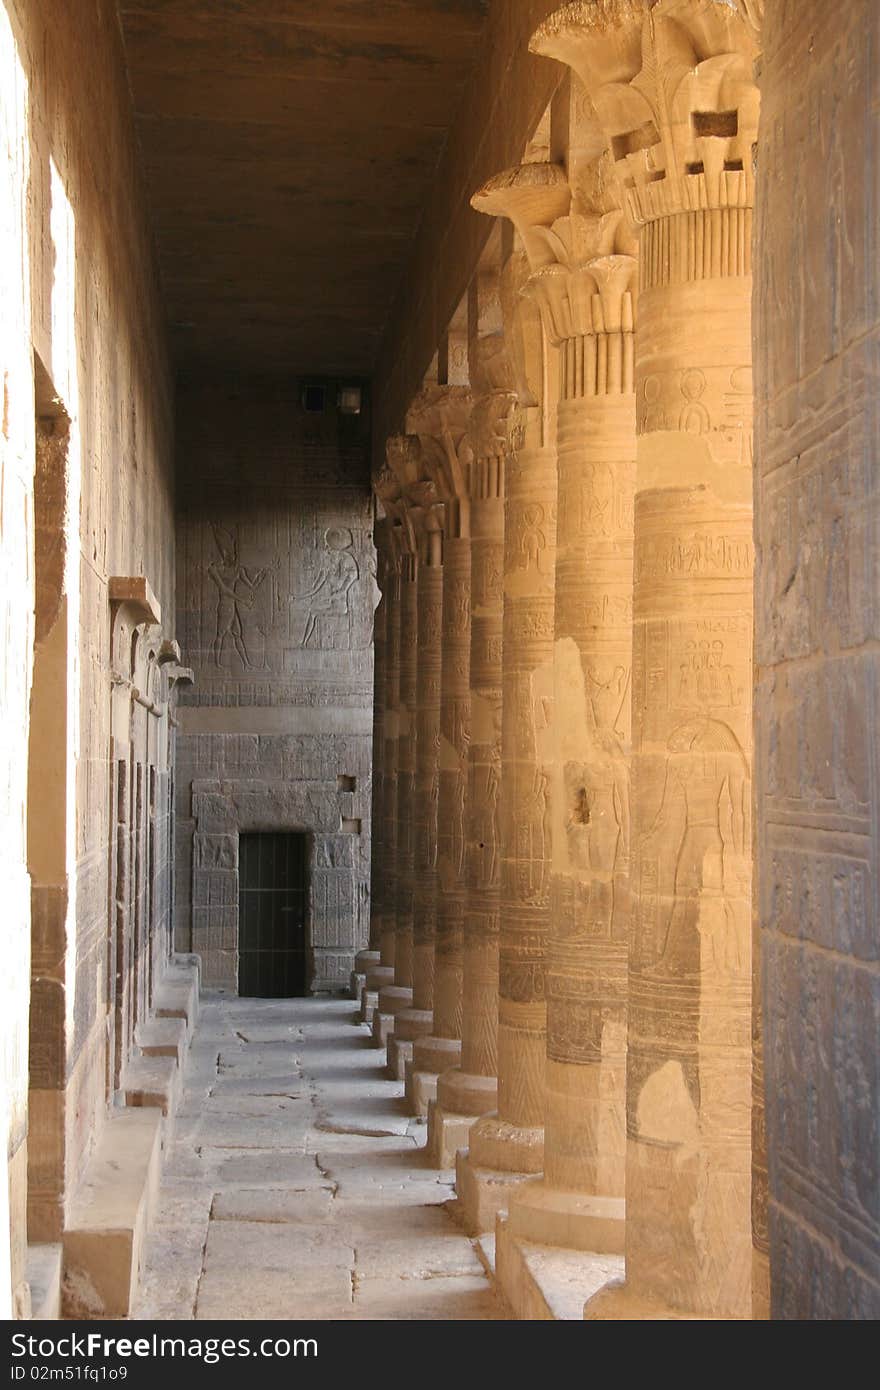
{"x": 272, "y": 907}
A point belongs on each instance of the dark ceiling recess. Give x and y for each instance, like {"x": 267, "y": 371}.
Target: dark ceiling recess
{"x": 289, "y": 146}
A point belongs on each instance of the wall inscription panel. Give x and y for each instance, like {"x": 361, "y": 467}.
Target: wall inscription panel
{"x": 276, "y": 596}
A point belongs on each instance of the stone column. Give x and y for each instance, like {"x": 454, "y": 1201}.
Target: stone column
{"x": 427, "y": 518}
{"x": 469, "y": 1090}
{"x": 387, "y": 491}
{"x": 584, "y": 278}
{"x": 401, "y": 470}
{"x": 371, "y": 959}
{"x": 672, "y": 84}
{"x": 817, "y": 623}
{"x": 440, "y": 416}
{"x": 505, "y": 1146}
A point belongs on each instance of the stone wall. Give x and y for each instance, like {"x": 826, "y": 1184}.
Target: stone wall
{"x": 817, "y": 330}
{"x": 277, "y": 589}
{"x": 87, "y": 410}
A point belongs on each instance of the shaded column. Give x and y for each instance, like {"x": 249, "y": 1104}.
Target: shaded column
{"x": 371, "y": 958}
{"x": 400, "y": 741}
{"x": 817, "y": 620}
{"x": 470, "y": 1089}
{"x": 440, "y": 416}
{"x": 427, "y": 520}
{"x": 506, "y": 1145}
{"x": 672, "y": 83}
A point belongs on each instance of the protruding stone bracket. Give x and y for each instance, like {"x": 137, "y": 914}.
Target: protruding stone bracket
{"x": 133, "y": 605}
{"x": 133, "y": 609}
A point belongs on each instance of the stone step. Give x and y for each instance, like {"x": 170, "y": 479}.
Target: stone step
{"x": 153, "y": 1080}
{"x": 164, "y": 1037}
{"x": 44, "y": 1278}
{"x": 109, "y": 1216}
{"x": 177, "y": 993}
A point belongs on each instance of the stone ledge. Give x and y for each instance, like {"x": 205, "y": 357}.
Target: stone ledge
{"x": 177, "y": 993}
{"x": 164, "y": 1037}
{"x": 43, "y": 1272}
{"x": 156, "y": 1081}
{"x": 109, "y": 1216}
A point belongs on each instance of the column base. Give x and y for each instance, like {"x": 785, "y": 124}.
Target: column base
{"x": 431, "y": 1058}
{"x": 545, "y": 1284}
{"x": 419, "y": 1089}
{"x": 378, "y": 976}
{"x": 619, "y": 1303}
{"x": 547, "y": 1215}
{"x": 369, "y": 1003}
{"x": 447, "y": 1133}
{"x": 365, "y": 959}
{"x": 482, "y": 1193}
{"x": 356, "y": 982}
{"x": 465, "y": 1093}
{"x": 382, "y": 1026}
{"x": 393, "y": 999}
{"x": 399, "y": 1053}
{"x": 507, "y": 1148}
{"x": 413, "y": 1023}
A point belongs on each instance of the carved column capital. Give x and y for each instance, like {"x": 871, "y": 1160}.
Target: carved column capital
{"x": 496, "y": 425}
{"x": 532, "y": 197}
{"x": 672, "y": 82}
{"x": 439, "y": 416}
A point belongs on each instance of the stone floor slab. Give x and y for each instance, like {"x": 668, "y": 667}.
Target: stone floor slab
{"x": 297, "y": 1187}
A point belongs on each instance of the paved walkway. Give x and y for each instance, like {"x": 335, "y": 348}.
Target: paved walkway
{"x": 294, "y": 1186}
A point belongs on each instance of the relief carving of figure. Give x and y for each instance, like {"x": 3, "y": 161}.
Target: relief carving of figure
{"x": 534, "y": 838}
{"x": 236, "y": 595}
{"x": 706, "y": 679}
{"x": 330, "y": 595}
{"x": 701, "y": 828}
{"x": 532, "y": 539}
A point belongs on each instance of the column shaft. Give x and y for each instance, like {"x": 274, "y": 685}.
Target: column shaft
{"x": 427, "y": 771}
{"x": 388, "y": 895}
{"x": 368, "y": 962}
{"x": 406, "y": 771}
{"x": 507, "y": 1145}
{"x": 470, "y": 1089}
{"x": 415, "y": 1021}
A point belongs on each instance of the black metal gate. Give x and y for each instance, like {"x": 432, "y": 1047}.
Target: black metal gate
{"x": 273, "y": 903}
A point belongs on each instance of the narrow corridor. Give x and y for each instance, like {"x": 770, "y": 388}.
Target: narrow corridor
{"x": 294, "y": 1187}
